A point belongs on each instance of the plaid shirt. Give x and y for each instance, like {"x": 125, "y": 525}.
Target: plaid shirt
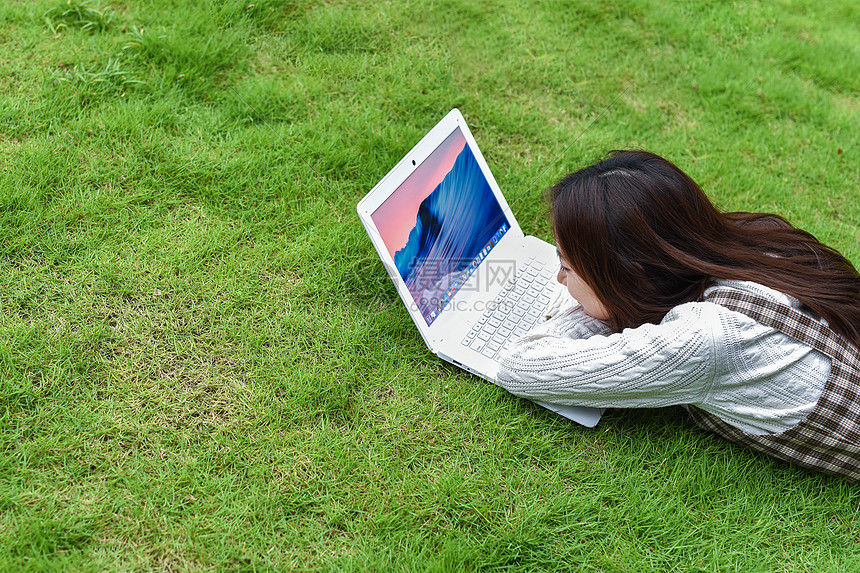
{"x": 828, "y": 439}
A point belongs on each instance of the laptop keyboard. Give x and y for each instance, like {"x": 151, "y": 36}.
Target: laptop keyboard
{"x": 514, "y": 311}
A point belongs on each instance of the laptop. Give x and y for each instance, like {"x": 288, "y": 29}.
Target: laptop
{"x": 469, "y": 277}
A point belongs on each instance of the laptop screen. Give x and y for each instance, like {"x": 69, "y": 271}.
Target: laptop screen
{"x": 440, "y": 224}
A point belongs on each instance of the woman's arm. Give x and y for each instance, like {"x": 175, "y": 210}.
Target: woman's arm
{"x": 574, "y": 360}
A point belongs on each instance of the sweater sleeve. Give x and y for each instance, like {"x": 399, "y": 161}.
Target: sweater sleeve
{"x": 574, "y": 360}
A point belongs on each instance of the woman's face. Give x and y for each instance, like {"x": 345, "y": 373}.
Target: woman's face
{"x": 583, "y": 294}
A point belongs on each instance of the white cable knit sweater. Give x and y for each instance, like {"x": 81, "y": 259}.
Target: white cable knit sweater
{"x": 749, "y": 375}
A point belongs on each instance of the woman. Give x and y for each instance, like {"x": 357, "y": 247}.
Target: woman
{"x": 750, "y": 323}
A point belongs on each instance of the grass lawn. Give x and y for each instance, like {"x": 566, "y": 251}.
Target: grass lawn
{"x": 203, "y": 366}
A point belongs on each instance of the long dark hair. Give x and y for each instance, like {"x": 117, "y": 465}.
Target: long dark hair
{"x": 643, "y": 235}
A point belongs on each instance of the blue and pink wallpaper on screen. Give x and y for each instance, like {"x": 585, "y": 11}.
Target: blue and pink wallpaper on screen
{"x": 455, "y": 227}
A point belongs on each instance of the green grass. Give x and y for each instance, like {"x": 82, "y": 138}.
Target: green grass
{"x": 203, "y": 366}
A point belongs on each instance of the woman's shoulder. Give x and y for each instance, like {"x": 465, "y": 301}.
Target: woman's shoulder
{"x": 754, "y": 288}
{"x": 734, "y": 321}
{"x": 722, "y": 324}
